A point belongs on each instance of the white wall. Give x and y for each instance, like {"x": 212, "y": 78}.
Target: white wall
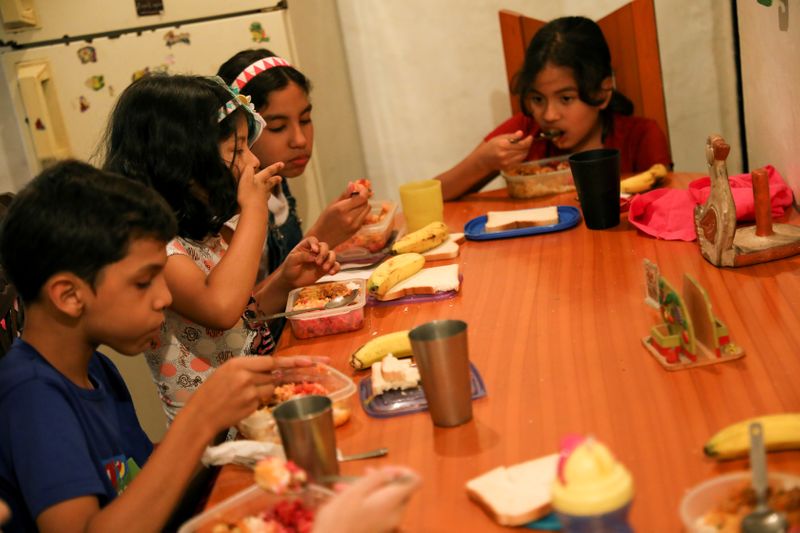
{"x": 770, "y": 44}
{"x": 429, "y": 77}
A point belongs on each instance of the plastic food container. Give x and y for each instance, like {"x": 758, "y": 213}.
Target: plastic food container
{"x": 709, "y": 494}
{"x": 329, "y": 321}
{"x": 539, "y": 178}
{"x": 372, "y": 236}
{"x": 254, "y": 501}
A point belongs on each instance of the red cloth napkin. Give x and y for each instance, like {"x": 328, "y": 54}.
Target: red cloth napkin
{"x": 669, "y": 213}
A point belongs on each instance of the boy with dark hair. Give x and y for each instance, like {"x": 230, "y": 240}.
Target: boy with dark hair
{"x": 86, "y": 250}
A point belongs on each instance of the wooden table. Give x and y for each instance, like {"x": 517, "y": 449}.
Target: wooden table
{"x": 555, "y": 328}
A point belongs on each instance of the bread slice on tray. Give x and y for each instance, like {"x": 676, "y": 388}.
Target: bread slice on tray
{"x": 447, "y": 250}
{"x": 518, "y": 494}
{"x": 521, "y": 218}
{"x": 426, "y": 281}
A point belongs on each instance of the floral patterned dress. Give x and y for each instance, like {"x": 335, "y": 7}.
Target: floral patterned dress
{"x": 187, "y": 353}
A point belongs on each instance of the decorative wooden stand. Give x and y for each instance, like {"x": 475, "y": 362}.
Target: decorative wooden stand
{"x": 721, "y": 243}
{"x": 690, "y": 334}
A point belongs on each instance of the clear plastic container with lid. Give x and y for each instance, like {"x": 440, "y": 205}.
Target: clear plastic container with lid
{"x": 256, "y": 502}
{"x": 329, "y": 321}
{"x": 540, "y": 178}
{"x": 373, "y": 235}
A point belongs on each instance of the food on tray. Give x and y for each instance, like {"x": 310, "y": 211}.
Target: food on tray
{"x": 521, "y": 218}
{"x": 427, "y": 281}
{"x": 517, "y": 494}
{"x": 447, "y": 250}
{"x": 529, "y": 169}
{"x": 727, "y": 516}
{"x": 781, "y": 432}
{"x": 643, "y": 181}
{"x": 391, "y": 373}
{"x": 322, "y": 293}
{"x": 288, "y": 391}
{"x": 289, "y": 516}
{"x": 377, "y": 215}
{"x": 356, "y": 186}
{"x": 423, "y": 239}
{"x": 278, "y": 475}
{"x": 393, "y": 271}
{"x": 397, "y": 344}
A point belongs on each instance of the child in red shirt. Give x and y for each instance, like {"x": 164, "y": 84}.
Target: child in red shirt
{"x": 569, "y": 105}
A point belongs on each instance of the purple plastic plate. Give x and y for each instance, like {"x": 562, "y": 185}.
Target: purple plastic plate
{"x": 416, "y": 298}
{"x": 401, "y": 402}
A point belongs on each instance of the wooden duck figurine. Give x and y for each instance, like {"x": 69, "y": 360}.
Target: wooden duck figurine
{"x": 716, "y": 220}
{"x": 721, "y": 242}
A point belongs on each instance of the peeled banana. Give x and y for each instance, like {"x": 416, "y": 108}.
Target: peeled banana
{"x": 643, "y": 181}
{"x": 781, "y": 432}
{"x": 393, "y": 271}
{"x": 423, "y": 239}
{"x": 397, "y": 344}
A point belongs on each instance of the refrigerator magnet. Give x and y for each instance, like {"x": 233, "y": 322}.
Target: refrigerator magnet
{"x": 87, "y": 54}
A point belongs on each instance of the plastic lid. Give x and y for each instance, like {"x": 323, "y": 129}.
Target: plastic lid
{"x": 590, "y": 481}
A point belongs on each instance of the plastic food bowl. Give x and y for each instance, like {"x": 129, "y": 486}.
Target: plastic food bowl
{"x": 708, "y": 495}
{"x": 329, "y": 321}
{"x": 253, "y": 501}
{"x": 372, "y": 237}
{"x": 539, "y": 178}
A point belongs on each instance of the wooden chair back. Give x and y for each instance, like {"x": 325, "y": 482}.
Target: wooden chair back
{"x": 11, "y": 311}
{"x": 632, "y": 40}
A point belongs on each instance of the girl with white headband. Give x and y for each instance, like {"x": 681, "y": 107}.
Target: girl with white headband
{"x": 280, "y": 94}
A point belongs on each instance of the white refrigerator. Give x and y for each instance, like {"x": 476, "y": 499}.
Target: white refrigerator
{"x": 65, "y": 62}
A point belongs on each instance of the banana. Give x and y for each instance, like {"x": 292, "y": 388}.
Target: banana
{"x": 423, "y": 239}
{"x": 393, "y": 271}
{"x": 781, "y": 432}
{"x": 643, "y": 181}
{"x": 397, "y": 344}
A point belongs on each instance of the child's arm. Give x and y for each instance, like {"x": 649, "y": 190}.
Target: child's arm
{"x": 374, "y": 504}
{"x": 218, "y": 299}
{"x": 341, "y": 219}
{"x": 305, "y": 264}
{"x": 234, "y": 391}
{"x": 483, "y": 163}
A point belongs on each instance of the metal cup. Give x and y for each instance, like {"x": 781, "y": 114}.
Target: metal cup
{"x": 440, "y": 350}
{"x": 307, "y": 433}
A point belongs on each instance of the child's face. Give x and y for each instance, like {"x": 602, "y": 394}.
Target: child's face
{"x": 289, "y": 135}
{"x": 126, "y": 309}
{"x": 234, "y": 149}
{"x": 555, "y": 105}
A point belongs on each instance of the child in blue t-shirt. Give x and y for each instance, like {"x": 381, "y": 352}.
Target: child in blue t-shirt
{"x": 86, "y": 253}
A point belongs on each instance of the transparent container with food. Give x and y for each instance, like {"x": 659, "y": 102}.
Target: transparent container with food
{"x": 373, "y": 235}
{"x": 539, "y": 178}
{"x": 327, "y": 321}
{"x": 245, "y": 509}
{"x": 318, "y": 378}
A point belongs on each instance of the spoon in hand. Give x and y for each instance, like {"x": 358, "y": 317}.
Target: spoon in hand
{"x": 762, "y": 519}
{"x": 338, "y": 301}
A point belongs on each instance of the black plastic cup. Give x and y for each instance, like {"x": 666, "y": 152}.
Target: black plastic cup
{"x": 596, "y": 176}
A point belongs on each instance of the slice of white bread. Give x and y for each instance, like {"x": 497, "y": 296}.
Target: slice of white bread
{"x": 447, "y": 250}
{"x": 518, "y": 494}
{"x": 426, "y": 281}
{"x": 391, "y": 373}
{"x": 521, "y": 218}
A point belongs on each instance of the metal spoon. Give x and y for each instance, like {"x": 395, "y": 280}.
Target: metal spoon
{"x": 549, "y": 134}
{"x": 762, "y": 519}
{"x": 339, "y": 301}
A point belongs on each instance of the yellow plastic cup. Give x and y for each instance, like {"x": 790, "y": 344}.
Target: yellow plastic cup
{"x": 422, "y": 203}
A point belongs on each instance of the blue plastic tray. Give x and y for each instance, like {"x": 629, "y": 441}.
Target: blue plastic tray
{"x": 401, "y": 402}
{"x": 475, "y": 229}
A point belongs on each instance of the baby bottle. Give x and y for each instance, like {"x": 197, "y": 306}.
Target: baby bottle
{"x": 592, "y": 491}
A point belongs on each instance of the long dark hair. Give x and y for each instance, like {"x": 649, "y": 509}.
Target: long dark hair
{"x": 576, "y": 43}
{"x": 164, "y": 132}
{"x": 264, "y": 83}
